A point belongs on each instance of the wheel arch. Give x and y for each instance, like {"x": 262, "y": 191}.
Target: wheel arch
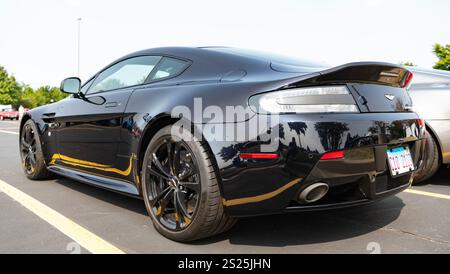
{"x": 25, "y": 118}
{"x": 159, "y": 122}
{"x": 152, "y": 127}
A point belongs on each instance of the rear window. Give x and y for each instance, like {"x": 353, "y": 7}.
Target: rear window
{"x": 169, "y": 67}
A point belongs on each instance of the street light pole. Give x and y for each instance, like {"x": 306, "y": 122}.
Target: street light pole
{"x": 79, "y": 44}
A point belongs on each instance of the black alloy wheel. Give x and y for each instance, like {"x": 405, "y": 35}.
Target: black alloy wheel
{"x": 28, "y": 149}
{"x": 180, "y": 187}
{"x": 33, "y": 162}
{"x": 173, "y": 182}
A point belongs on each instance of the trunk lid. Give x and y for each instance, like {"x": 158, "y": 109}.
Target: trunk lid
{"x": 376, "y": 87}
{"x": 380, "y": 98}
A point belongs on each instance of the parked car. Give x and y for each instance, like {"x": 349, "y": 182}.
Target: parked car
{"x": 430, "y": 91}
{"x": 10, "y": 114}
{"x": 341, "y": 136}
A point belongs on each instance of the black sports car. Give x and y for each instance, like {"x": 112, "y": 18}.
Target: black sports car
{"x": 206, "y": 135}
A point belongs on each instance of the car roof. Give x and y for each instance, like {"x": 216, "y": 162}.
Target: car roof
{"x": 437, "y": 72}
{"x": 267, "y": 56}
{"x": 191, "y": 53}
{"x": 227, "y": 55}
{"x": 204, "y": 61}
{"x": 215, "y": 62}
{"x": 429, "y": 76}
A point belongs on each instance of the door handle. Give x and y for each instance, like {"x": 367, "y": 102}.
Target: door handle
{"x": 111, "y": 104}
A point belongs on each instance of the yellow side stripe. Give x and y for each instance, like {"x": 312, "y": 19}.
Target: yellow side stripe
{"x": 79, "y": 234}
{"x": 76, "y": 161}
{"x": 429, "y": 194}
{"x": 81, "y": 163}
{"x": 263, "y": 197}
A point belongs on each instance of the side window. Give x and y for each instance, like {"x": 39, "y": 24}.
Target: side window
{"x": 130, "y": 72}
{"x": 169, "y": 67}
{"x": 86, "y": 86}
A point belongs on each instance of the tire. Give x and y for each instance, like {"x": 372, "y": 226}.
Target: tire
{"x": 31, "y": 155}
{"x": 199, "y": 193}
{"x": 431, "y": 160}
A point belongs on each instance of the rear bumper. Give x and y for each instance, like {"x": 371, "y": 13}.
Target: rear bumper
{"x": 261, "y": 187}
{"x": 355, "y": 181}
{"x": 360, "y": 202}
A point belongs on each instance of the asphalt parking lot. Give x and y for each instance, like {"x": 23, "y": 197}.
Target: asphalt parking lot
{"x": 64, "y": 216}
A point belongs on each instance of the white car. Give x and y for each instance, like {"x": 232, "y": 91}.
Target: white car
{"x": 430, "y": 91}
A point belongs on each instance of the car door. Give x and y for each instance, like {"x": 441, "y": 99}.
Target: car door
{"x": 88, "y": 127}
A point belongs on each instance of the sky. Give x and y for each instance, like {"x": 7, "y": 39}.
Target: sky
{"x": 38, "y": 42}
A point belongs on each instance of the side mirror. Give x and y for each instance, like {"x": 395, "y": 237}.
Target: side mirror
{"x": 71, "y": 85}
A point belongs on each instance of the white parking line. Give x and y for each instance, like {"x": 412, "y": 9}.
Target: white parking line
{"x": 429, "y": 194}
{"x": 79, "y": 234}
{"x": 9, "y": 132}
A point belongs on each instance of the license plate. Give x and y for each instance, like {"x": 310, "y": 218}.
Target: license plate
{"x": 400, "y": 161}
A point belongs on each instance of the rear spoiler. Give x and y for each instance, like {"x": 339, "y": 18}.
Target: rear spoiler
{"x": 362, "y": 72}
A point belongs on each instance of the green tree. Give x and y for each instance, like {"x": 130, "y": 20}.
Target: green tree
{"x": 10, "y": 90}
{"x": 46, "y": 94}
{"x": 27, "y": 97}
{"x": 16, "y": 94}
{"x": 443, "y": 53}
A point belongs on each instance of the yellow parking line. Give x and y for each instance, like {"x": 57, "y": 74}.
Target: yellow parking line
{"x": 430, "y": 194}
{"x": 9, "y": 132}
{"x": 79, "y": 234}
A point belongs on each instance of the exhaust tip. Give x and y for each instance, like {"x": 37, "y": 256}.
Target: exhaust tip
{"x": 313, "y": 193}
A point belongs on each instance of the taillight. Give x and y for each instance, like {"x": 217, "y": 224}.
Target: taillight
{"x": 321, "y": 99}
{"x": 333, "y": 155}
{"x": 258, "y": 156}
{"x": 408, "y": 80}
{"x": 421, "y": 123}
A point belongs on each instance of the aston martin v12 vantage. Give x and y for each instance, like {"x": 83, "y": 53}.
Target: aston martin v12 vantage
{"x": 207, "y": 135}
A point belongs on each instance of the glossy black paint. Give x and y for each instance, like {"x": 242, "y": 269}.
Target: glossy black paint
{"x": 301, "y": 145}
{"x": 100, "y": 139}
